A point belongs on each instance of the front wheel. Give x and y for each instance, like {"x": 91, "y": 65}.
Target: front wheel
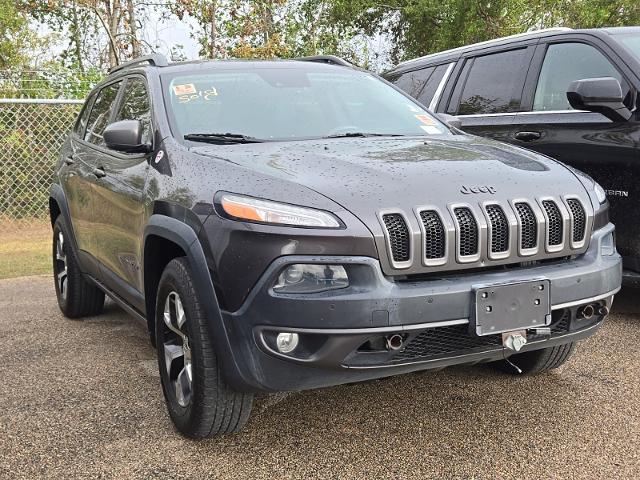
{"x": 199, "y": 401}
{"x": 538, "y": 361}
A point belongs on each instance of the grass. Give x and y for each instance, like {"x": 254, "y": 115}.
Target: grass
{"x": 25, "y": 249}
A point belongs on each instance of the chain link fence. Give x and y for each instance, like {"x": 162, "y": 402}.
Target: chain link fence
{"x": 37, "y": 110}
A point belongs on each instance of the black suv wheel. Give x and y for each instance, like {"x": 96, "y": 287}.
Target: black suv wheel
{"x": 76, "y": 296}
{"x": 198, "y": 399}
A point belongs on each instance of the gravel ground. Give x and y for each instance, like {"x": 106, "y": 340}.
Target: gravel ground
{"x": 82, "y": 399}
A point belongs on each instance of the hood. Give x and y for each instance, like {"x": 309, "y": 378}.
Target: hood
{"x": 368, "y": 175}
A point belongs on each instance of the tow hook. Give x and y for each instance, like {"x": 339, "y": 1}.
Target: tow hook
{"x": 514, "y": 340}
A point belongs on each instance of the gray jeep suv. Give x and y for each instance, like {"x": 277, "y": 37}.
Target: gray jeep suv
{"x": 286, "y": 225}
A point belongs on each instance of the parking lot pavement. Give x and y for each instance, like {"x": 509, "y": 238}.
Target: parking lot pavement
{"x": 82, "y": 399}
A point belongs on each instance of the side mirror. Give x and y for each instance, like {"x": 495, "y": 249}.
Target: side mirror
{"x": 601, "y": 95}
{"x": 452, "y": 121}
{"x": 125, "y": 136}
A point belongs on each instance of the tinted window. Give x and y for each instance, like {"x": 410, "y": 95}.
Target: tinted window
{"x": 135, "y": 106}
{"x": 412, "y": 82}
{"x": 494, "y": 84}
{"x": 565, "y": 63}
{"x": 429, "y": 90}
{"x": 81, "y": 123}
{"x": 100, "y": 113}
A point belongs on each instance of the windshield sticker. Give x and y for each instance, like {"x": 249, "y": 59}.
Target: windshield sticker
{"x": 185, "y": 89}
{"x": 431, "y": 130}
{"x": 427, "y": 120}
{"x": 207, "y": 95}
{"x": 414, "y": 109}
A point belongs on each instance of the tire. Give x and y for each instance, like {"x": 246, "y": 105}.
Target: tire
{"x": 538, "y": 361}
{"x": 199, "y": 401}
{"x": 76, "y": 296}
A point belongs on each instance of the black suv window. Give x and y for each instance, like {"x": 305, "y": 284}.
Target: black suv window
{"x": 412, "y": 82}
{"x": 564, "y": 63}
{"x": 100, "y": 113}
{"x": 494, "y": 84}
{"x": 135, "y": 106}
{"x": 81, "y": 123}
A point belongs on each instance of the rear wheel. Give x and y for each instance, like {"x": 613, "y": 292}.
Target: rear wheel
{"x": 538, "y": 361}
{"x": 76, "y": 296}
{"x": 199, "y": 401}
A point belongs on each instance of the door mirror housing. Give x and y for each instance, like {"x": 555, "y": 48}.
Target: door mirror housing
{"x": 601, "y": 95}
{"x": 125, "y": 136}
{"x": 450, "y": 120}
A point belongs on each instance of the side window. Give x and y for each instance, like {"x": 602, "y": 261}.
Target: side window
{"x": 429, "y": 90}
{"x": 494, "y": 83}
{"x": 81, "y": 122}
{"x": 564, "y": 63}
{"x": 100, "y": 113}
{"x": 412, "y": 82}
{"x": 135, "y": 106}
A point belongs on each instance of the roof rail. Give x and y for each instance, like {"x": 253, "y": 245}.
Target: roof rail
{"x": 155, "y": 59}
{"x": 330, "y": 59}
{"x": 488, "y": 42}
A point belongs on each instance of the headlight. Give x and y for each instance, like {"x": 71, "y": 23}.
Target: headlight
{"x": 266, "y": 211}
{"x": 311, "y": 278}
{"x": 600, "y": 193}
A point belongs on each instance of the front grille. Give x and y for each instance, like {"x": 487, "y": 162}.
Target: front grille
{"x": 480, "y": 236}
{"x": 579, "y": 219}
{"x": 398, "y": 236}
{"x": 468, "y": 228}
{"x": 434, "y": 242}
{"x": 555, "y": 224}
{"x": 528, "y": 226}
{"x": 499, "y": 229}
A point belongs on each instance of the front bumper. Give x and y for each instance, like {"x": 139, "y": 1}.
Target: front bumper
{"x": 432, "y": 315}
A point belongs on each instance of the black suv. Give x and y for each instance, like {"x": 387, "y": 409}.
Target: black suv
{"x": 285, "y": 225}
{"x": 569, "y": 94}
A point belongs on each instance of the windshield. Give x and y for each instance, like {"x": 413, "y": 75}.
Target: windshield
{"x": 289, "y": 103}
{"x": 631, "y": 41}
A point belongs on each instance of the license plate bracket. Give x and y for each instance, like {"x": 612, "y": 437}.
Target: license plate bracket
{"x": 505, "y": 307}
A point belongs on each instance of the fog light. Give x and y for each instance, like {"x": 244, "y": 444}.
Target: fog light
{"x": 608, "y": 245}
{"x": 287, "y": 342}
{"x": 311, "y": 278}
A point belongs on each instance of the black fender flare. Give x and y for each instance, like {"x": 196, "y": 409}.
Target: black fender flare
{"x": 57, "y": 193}
{"x": 186, "y": 238}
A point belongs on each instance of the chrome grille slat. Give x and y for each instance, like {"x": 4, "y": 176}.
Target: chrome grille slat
{"x": 435, "y": 237}
{"x": 398, "y": 236}
{"x": 555, "y": 223}
{"x": 528, "y": 226}
{"x": 468, "y": 232}
{"x": 579, "y": 219}
{"x": 499, "y": 241}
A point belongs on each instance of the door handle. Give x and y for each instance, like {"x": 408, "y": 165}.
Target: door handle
{"x": 69, "y": 160}
{"x": 527, "y": 136}
{"x": 99, "y": 172}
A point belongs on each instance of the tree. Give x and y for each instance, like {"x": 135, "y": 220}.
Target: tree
{"x": 15, "y": 34}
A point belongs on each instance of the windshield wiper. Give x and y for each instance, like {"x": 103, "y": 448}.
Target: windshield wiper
{"x": 221, "y": 138}
{"x": 363, "y": 134}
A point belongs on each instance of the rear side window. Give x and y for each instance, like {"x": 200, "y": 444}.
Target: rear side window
{"x": 565, "y": 63}
{"x": 494, "y": 83}
{"x": 100, "y": 113}
{"x": 429, "y": 90}
{"x": 135, "y": 106}
{"x": 412, "y": 82}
